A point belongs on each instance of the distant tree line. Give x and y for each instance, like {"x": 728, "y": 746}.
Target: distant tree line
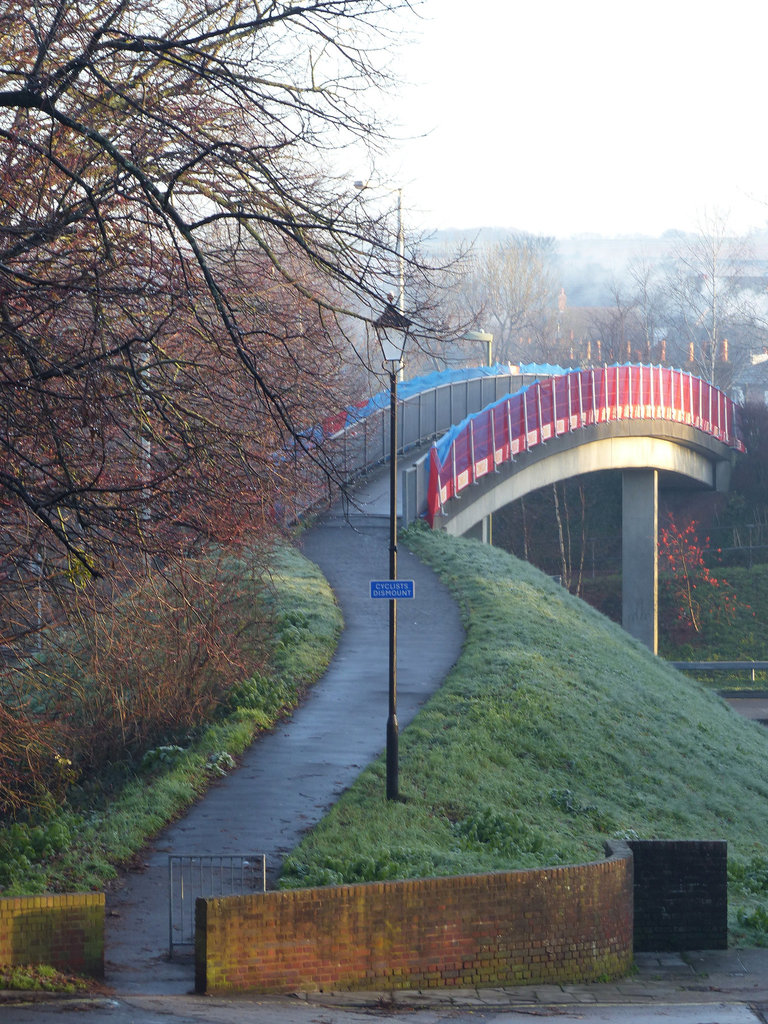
{"x": 700, "y": 303}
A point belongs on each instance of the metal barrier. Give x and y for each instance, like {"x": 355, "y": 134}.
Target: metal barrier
{"x": 566, "y": 403}
{"x": 364, "y": 444}
{"x": 207, "y": 875}
{"x": 422, "y": 417}
{"x": 721, "y": 666}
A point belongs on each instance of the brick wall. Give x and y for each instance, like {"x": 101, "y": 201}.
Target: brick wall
{"x": 566, "y": 924}
{"x": 63, "y": 931}
{"x": 681, "y": 894}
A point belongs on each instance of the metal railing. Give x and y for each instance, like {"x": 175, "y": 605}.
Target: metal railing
{"x": 421, "y": 418}
{"x": 569, "y": 402}
{"x": 721, "y": 666}
{"x": 364, "y": 444}
{"x": 190, "y": 877}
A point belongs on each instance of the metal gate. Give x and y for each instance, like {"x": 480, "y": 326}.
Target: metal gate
{"x": 208, "y": 875}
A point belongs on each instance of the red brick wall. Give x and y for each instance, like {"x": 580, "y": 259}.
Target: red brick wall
{"x": 567, "y": 924}
{"x": 63, "y": 931}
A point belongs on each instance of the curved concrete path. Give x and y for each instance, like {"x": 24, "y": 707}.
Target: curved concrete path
{"x": 288, "y": 779}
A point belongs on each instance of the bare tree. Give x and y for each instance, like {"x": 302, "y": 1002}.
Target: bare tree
{"x": 508, "y": 287}
{"x": 184, "y": 282}
{"x": 706, "y": 299}
{"x": 178, "y": 269}
{"x": 617, "y": 328}
{"x": 648, "y": 302}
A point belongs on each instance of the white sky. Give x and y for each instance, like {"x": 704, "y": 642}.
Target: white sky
{"x": 559, "y": 118}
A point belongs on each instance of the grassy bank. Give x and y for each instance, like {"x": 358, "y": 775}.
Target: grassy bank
{"x": 103, "y": 826}
{"x": 553, "y": 732}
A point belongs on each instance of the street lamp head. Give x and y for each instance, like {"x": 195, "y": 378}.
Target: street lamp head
{"x": 486, "y": 338}
{"x": 392, "y": 331}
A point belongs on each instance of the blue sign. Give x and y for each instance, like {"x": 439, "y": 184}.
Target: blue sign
{"x": 391, "y": 588}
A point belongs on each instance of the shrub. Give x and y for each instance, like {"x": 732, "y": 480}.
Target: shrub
{"x": 691, "y": 594}
{"x": 145, "y": 672}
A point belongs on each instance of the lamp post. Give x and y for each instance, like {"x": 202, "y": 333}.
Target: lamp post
{"x": 362, "y": 186}
{"x": 400, "y": 255}
{"x": 392, "y": 330}
{"x": 487, "y": 339}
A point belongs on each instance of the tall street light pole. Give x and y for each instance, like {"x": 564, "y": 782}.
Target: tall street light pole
{"x": 392, "y": 330}
{"x": 400, "y": 266}
{"x": 362, "y": 186}
{"x": 487, "y": 339}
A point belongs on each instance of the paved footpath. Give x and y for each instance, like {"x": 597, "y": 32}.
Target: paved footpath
{"x": 290, "y": 777}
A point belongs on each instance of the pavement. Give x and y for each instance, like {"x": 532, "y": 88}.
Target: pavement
{"x": 290, "y": 777}
{"x": 705, "y": 987}
{"x": 754, "y": 706}
{"x": 287, "y": 781}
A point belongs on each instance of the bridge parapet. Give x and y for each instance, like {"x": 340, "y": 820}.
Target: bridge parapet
{"x": 559, "y": 406}
{"x": 364, "y": 442}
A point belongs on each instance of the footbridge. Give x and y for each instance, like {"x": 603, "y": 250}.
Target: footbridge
{"x": 501, "y": 436}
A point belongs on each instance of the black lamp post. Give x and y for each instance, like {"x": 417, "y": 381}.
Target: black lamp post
{"x": 392, "y": 330}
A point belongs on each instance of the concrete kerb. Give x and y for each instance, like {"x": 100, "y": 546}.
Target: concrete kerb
{"x": 737, "y": 976}
{"x": 734, "y": 977}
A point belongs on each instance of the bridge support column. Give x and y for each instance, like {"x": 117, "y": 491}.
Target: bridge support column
{"x": 639, "y": 555}
{"x": 482, "y": 531}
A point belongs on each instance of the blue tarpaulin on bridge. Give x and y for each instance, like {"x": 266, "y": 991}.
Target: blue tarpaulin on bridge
{"x": 443, "y": 445}
{"x": 545, "y": 369}
{"x": 410, "y": 388}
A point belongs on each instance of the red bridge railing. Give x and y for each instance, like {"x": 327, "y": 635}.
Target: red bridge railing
{"x": 561, "y": 404}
